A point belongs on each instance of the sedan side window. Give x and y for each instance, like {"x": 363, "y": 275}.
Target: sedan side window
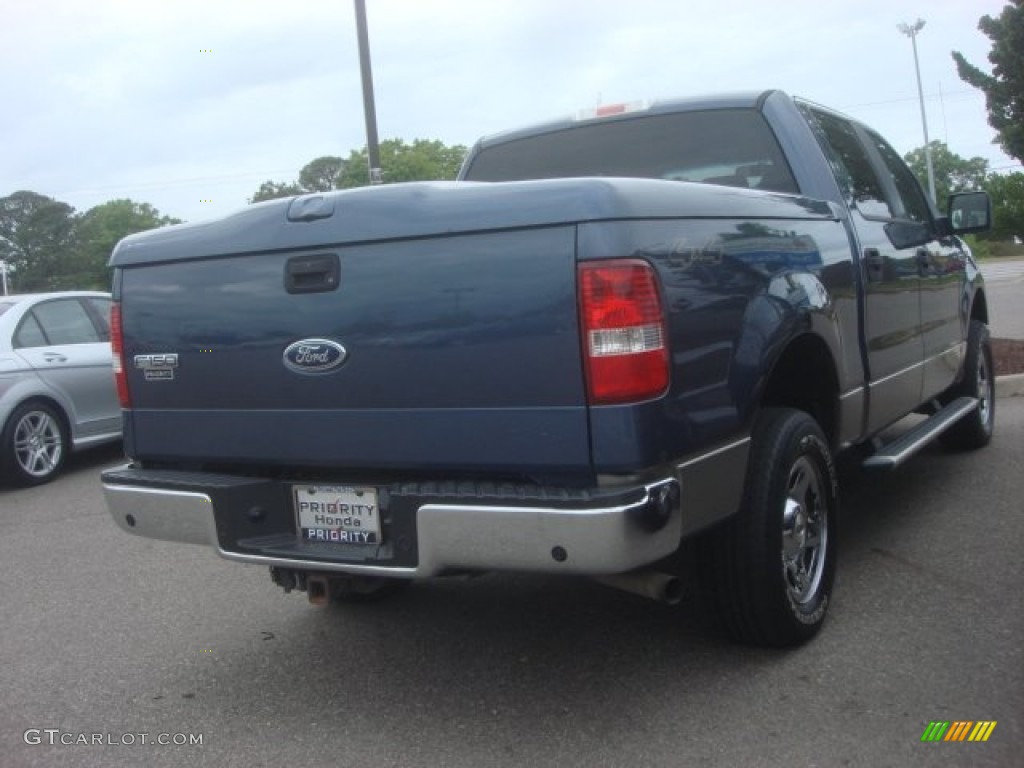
{"x": 29, "y": 334}
{"x": 65, "y": 321}
{"x": 101, "y": 309}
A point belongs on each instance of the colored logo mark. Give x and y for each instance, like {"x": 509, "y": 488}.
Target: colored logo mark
{"x": 958, "y": 730}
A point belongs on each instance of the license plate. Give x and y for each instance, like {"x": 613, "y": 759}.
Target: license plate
{"x": 337, "y": 514}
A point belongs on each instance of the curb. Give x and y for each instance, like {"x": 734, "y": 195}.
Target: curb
{"x": 1010, "y": 386}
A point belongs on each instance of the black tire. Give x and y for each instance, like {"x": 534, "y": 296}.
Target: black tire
{"x": 34, "y": 445}
{"x": 365, "y": 589}
{"x": 974, "y": 430}
{"x": 772, "y": 566}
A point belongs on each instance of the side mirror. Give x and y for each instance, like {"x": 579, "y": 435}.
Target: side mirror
{"x": 969, "y": 212}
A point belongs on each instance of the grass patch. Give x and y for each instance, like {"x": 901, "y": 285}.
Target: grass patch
{"x": 987, "y": 249}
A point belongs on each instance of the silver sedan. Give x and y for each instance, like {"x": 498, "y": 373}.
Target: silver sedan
{"x": 57, "y": 390}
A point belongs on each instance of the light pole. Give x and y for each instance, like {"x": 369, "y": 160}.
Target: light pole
{"x": 911, "y": 32}
{"x": 369, "y": 109}
{"x": 3, "y": 274}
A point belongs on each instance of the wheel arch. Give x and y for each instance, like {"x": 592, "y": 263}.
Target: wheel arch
{"x": 979, "y": 307}
{"x": 804, "y": 376}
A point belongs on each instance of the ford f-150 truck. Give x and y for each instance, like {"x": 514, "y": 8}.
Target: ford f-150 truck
{"x": 644, "y": 331}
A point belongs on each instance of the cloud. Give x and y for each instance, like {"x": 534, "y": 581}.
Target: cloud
{"x": 120, "y": 97}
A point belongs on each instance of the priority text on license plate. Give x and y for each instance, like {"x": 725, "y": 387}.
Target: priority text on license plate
{"x": 337, "y": 514}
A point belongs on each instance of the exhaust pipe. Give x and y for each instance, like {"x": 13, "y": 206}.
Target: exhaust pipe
{"x": 318, "y": 589}
{"x": 654, "y": 585}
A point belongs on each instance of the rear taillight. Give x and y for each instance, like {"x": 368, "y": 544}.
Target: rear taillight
{"x": 623, "y": 331}
{"x": 117, "y": 350}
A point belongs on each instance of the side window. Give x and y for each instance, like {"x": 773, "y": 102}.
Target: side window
{"x": 65, "y": 321}
{"x": 851, "y": 165}
{"x": 101, "y": 314}
{"x": 29, "y": 333}
{"x": 915, "y": 204}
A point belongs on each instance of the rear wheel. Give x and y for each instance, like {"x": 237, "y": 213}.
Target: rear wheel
{"x": 34, "y": 444}
{"x": 772, "y": 566}
{"x": 975, "y": 429}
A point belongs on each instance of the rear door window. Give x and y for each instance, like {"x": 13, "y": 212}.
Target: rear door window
{"x": 851, "y": 164}
{"x": 30, "y": 333}
{"x": 912, "y": 200}
{"x": 100, "y": 309}
{"x": 64, "y": 321}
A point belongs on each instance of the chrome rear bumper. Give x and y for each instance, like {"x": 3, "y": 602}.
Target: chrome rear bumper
{"x": 614, "y": 535}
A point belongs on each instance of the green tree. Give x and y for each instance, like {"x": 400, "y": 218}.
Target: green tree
{"x": 1004, "y": 88}
{"x": 98, "y": 230}
{"x": 423, "y": 160}
{"x": 35, "y": 241}
{"x": 1007, "y": 192}
{"x": 953, "y": 173}
{"x": 272, "y": 190}
{"x": 320, "y": 175}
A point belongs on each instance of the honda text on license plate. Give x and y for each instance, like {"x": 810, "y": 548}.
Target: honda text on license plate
{"x": 339, "y": 514}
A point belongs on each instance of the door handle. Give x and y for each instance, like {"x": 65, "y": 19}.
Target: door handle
{"x": 875, "y": 262}
{"x": 924, "y": 263}
{"x": 52, "y": 357}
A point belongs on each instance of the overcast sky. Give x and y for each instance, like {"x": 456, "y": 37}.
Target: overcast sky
{"x": 190, "y": 104}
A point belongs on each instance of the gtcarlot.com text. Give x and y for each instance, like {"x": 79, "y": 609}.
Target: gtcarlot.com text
{"x": 57, "y": 737}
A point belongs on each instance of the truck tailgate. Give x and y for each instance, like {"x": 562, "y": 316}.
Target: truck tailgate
{"x": 460, "y": 352}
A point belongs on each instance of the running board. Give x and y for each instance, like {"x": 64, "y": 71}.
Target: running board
{"x": 898, "y": 451}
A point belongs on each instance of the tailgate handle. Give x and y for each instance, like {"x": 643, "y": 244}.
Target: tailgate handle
{"x": 312, "y": 274}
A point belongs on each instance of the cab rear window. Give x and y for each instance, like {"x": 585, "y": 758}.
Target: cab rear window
{"x": 734, "y": 147}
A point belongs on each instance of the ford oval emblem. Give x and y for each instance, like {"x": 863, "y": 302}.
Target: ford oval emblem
{"x": 314, "y": 356}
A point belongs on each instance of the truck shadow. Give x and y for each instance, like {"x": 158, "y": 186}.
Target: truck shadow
{"x": 482, "y": 662}
{"x": 486, "y": 662}
{"x": 499, "y": 655}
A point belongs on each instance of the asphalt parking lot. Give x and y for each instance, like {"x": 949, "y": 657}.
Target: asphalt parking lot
{"x": 1005, "y": 285}
{"x": 108, "y": 634}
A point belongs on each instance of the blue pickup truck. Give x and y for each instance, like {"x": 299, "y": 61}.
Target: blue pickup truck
{"x": 619, "y": 340}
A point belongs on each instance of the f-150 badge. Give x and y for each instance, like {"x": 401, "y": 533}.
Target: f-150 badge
{"x": 314, "y": 356}
{"x": 159, "y": 367}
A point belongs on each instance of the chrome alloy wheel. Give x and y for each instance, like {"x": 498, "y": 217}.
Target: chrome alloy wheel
{"x": 804, "y": 531}
{"x": 38, "y": 443}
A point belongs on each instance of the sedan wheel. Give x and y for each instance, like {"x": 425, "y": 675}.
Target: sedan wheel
{"x": 34, "y": 445}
